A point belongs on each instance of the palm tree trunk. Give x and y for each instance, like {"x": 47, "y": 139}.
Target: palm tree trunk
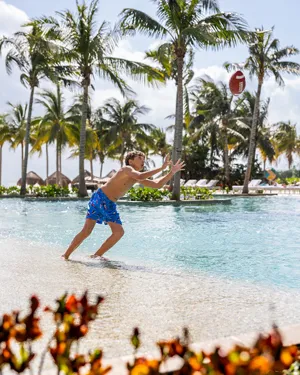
{"x": 57, "y": 162}
{"x": 92, "y": 169}
{"x": 122, "y": 155}
{"x": 177, "y": 146}
{"x": 22, "y": 156}
{"x": 252, "y": 138}
{"x": 226, "y": 159}
{"x": 101, "y": 168}
{"x": 60, "y": 165}
{"x": 27, "y": 139}
{"x": 0, "y": 165}
{"x": 47, "y": 162}
{"x": 82, "y": 186}
{"x": 265, "y": 161}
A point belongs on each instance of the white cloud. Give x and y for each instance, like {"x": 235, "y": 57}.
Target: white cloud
{"x": 11, "y": 18}
{"x": 126, "y": 51}
{"x": 217, "y": 73}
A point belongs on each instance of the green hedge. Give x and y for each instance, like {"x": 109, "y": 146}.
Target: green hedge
{"x": 40, "y": 191}
{"x": 148, "y": 194}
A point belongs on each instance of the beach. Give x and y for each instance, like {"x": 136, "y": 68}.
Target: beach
{"x": 157, "y": 301}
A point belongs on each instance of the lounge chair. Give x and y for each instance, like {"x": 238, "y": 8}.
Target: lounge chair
{"x": 190, "y": 183}
{"x": 211, "y": 184}
{"x": 201, "y": 183}
{"x": 253, "y": 185}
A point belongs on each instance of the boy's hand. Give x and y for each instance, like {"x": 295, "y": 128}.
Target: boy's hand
{"x": 166, "y": 162}
{"x": 179, "y": 166}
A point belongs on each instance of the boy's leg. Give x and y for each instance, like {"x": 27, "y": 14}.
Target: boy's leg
{"x": 81, "y": 236}
{"x": 117, "y": 234}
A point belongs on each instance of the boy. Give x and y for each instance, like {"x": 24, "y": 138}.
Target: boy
{"x": 102, "y": 205}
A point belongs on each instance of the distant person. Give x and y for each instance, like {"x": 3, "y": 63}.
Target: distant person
{"x": 102, "y": 206}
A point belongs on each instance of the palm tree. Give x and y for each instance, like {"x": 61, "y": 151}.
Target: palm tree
{"x": 88, "y": 50}
{"x": 216, "y": 116}
{"x": 5, "y": 136}
{"x": 17, "y": 121}
{"x": 31, "y": 51}
{"x": 106, "y": 148}
{"x": 263, "y": 139}
{"x": 125, "y": 131}
{"x": 287, "y": 141}
{"x": 161, "y": 146}
{"x": 91, "y": 147}
{"x": 186, "y": 24}
{"x": 56, "y": 125}
{"x": 168, "y": 65}
{"x": 265, "y": 60}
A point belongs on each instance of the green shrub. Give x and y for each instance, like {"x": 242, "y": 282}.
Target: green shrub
{"x": 40, "y": 191}
{"x": 51, "y": 191}
{"x": 292, "y": 180}
{"x": 196, "y": 192}
{"x": 147, "y": 194}
{"x": 13, "y": 190}
{"x": 2, "y": 190}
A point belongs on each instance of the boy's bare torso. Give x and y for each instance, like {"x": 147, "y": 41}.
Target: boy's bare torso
{"x": 118, "y": 185}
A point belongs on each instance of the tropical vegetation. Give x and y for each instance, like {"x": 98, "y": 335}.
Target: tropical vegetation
{"x": 72, "y": 318}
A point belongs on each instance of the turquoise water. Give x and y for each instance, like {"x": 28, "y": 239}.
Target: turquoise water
{"x": 252, "y": 239}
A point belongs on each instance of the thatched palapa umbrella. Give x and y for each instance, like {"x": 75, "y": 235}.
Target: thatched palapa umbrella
{"x": 32, "y": 178}
{"x": 86, "y": 174}
{"x": 65, "y": 181}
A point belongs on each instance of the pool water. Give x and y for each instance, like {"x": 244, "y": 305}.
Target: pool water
{"x": 254, "y": 240}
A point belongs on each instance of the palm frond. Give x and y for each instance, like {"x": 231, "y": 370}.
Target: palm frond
{"x": 133, "y": 20}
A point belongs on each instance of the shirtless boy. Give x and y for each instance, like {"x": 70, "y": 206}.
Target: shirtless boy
{"x": 102, "y": 205}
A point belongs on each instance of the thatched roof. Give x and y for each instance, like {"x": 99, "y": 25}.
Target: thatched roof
{"x": 51, "y": 180}
{"x": 86, "y": 174}
{"x": 32, "y": 178}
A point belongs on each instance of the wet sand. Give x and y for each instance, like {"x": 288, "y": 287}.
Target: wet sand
{"x": 158, "y": 301}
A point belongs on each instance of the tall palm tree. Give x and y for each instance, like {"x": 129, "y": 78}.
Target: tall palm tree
{"x": 216, "y": 114}
{"x": 31, "y": 51}
{"x": 125, "y": 131}
{"x": 266, "y": 59}
{"x": 263, "y": 138}
{"x": 56, "y": 125}
{"x": 287, "y": 141}
{"x": 186, "y": 24}
{"x": 17, "y": 121}
{"x": 5, "y": 136}
{"x": 88, "y": 50}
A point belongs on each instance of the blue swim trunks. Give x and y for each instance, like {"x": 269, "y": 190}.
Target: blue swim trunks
{"x": 102, "y": 209}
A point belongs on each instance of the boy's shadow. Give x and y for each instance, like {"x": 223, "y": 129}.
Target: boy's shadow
{"x": 118, "y": 265}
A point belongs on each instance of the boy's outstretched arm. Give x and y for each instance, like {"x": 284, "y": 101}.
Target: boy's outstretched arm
{"x": 160, "y": 182}
{"x": 140, "y": 176}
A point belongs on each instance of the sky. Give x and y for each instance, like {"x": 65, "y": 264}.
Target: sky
{"x": 285, "y": 103}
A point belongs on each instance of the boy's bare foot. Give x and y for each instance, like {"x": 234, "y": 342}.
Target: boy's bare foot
{"x": 65, "y": 257}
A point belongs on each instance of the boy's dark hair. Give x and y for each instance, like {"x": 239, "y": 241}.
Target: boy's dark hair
{"x": 132, "y": 154}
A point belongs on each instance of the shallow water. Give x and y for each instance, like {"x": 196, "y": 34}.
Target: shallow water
{"x": 252, "y": 239}
{"x": 217, "y": 270}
